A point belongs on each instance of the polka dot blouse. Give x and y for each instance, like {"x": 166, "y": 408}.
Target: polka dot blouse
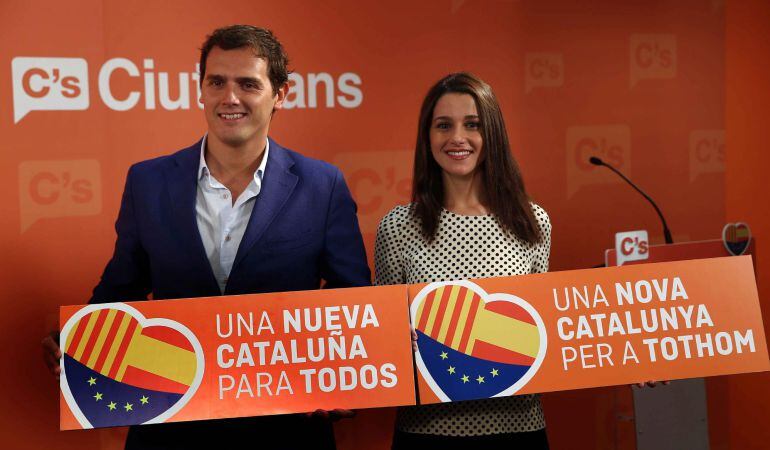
{"x": 465, "y": 247}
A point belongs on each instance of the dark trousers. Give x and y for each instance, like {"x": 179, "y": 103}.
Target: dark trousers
{"x": 288, "y": 432}
{"x": 506, "y": 441}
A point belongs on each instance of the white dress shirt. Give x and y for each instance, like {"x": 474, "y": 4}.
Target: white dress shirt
{"x": 222, "y": 223}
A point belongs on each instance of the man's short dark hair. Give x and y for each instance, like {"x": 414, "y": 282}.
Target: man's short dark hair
{"x": 261, "y": 40}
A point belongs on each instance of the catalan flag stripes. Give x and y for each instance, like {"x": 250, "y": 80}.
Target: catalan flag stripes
{"x": 112, "y": 343}
{"x": 444, "y": 312}
{"x": 737, "y": 234}
{"x": 121, "y": 347}
{"x": 456, "y": 317}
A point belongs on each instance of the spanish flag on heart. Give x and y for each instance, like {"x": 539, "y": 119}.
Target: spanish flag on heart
{"x": 120, "y": 372}
{"x": 474, "y": 347}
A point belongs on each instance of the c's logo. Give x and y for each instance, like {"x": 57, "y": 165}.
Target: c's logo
{"x": 49, "y": 84}
{"x": 59, "y": 189}
{"x": 632, "y": 246}
{"x": 707, "y": 152}
{"x": 378, "y": 180}
{"x": 612, "y": 143}
{"x": 652, "y": 56}
{"x": 543, "y": 69}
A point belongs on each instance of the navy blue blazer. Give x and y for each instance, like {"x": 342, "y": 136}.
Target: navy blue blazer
{"x": 303, "y": 229}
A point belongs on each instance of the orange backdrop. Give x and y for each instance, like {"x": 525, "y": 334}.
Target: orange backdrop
{"x": 640, "y": 84}
{"x": 746, "y": 122}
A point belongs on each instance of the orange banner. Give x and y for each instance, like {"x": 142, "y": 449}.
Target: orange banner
{"x": 587, "y": 328}
{"x": 176, "y": 360}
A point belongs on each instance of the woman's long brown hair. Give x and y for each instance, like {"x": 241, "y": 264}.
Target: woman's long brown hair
{"x": 501, "y": 179}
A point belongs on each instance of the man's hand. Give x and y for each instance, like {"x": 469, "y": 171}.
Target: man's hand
{"x": 414, "y": 340}
{"x": 334, "y": 414}
{"x": 52, "y": 353}
{"x": 651, "y": 384}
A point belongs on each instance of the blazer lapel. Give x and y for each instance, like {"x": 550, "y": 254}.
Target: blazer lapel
{"x": 182, "y": 179}
{"x": 277, "y": 186}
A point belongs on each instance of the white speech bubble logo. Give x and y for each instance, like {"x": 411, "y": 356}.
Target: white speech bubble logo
{"x": 48, "y": 84}
{"x": 632, "y": 246}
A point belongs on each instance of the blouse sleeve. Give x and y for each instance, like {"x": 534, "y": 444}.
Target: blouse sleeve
{"x": 388, "y": 250}
{"x": 543, "y": 248}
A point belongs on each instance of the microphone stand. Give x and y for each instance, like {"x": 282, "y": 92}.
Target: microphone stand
{"x": 666, "y": 232}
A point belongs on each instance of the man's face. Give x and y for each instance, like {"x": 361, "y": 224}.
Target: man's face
{"x": 237, "y": 97}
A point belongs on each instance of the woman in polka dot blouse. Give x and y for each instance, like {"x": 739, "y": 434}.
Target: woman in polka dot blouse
{"x": 470, "y": 217}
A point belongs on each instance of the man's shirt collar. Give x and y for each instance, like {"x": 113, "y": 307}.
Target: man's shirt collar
{"x": 204, "y": 172}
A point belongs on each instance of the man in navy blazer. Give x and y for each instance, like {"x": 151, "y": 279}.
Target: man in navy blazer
{"x": 303, "y": 229}
{"x": 235, "y": 213}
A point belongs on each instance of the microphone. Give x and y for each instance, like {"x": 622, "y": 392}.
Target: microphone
{"x": 666, "y": 232}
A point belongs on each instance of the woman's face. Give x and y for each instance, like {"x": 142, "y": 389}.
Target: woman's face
{"x": 455, "y": 135}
